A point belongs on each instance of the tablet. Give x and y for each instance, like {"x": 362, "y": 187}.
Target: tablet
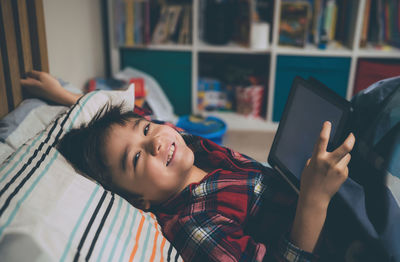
{"x": 309, "y": 105}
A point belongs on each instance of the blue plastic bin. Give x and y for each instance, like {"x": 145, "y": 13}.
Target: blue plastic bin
{"x": 210, "y": 127}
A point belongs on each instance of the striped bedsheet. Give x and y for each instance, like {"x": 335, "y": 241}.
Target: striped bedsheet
{"x": 48, "y": 212}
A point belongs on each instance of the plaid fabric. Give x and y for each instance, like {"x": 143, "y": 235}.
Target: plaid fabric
{"x": 207, "y": 221}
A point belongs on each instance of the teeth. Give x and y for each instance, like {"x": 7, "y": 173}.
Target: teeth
{"x": 170, "y": 153}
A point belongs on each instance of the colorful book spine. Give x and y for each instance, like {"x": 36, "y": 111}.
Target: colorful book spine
{"x": 364, "y": 34}
{"x": 147, "y": 35}
{"x": 129, "y": 24}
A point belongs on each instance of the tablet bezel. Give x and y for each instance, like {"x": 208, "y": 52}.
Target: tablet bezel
{"x": 341, "y": 130}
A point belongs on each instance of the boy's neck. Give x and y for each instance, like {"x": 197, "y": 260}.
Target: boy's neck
{"x": 195, "y": 176}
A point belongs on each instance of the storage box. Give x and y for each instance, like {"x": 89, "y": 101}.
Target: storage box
{"x": 332, "y": 71}
{"x": 369, "y": 72}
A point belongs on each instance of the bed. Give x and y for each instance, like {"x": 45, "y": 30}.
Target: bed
{"x": 48, "y": 211}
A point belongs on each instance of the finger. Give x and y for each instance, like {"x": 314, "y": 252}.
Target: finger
{"x": 344, "y": 148}
{"x": 323, "y": 139}
{"x": 344, "y": 162}
{"x": 34, "y": 74}
{"x": 29, "y": 82}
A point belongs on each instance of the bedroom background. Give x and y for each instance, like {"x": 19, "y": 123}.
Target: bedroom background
{"x": 80, "y": 52}
{"x": 91, "y": 46}
{"x": 56, "y": 213}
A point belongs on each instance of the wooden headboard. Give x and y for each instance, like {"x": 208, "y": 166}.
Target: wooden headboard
{"x": 23, "y": 47}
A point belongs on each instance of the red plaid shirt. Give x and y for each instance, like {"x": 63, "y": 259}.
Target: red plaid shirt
{"x": 207, "y": 221}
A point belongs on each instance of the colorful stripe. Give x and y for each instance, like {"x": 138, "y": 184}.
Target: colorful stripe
{"x": 21, "y": 158}
{"x": 83, "y": 213}
{"x": 129, "y": 236}
{"x": 121, "y": 228}
{"x": 103, "y": 220}
{"x": 110, "y": 230}
{"x": 146, "y": 240}
{"x": 133, "y": 253}
{"x": 89, "y": 225}
{"x": 162, "y": 248}
{"x": 27, "y": 193}
{"x": 153, "y": 253}
{"x": 35, "y": 153}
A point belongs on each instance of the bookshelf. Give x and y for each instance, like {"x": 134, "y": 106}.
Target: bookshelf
{"x": 336, "y": 64}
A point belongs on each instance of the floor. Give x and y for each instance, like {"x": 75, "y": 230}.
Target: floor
{"x": 255, "y": 144}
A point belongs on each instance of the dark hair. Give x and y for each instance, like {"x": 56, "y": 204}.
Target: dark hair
{"x": 84, "y": 147}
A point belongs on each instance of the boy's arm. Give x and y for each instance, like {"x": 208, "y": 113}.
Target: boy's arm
{"x": 43, "y": 85}
{"x": 322, "y": 177}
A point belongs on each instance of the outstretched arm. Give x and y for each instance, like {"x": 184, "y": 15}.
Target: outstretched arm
{"x": 43, "y": 85}
{"x": 322, "y": 177}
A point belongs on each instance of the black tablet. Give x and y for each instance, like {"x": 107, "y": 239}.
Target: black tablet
{"x": 309, "y": 104}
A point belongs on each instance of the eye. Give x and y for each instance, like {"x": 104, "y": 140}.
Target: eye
{"x": 146, "y": 129}
{"x": 135, "y": 159}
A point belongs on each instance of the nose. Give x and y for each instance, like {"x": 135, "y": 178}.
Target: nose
{"x": 155, "y": 145}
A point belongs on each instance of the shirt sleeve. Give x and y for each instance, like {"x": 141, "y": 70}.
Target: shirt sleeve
{"x": 288, "y": 252}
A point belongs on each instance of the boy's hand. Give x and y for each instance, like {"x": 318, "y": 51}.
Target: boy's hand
{"x": 325, "y": 171}
{"x": 43, "y": 85}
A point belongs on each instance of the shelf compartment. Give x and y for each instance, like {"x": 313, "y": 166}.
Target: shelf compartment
{"x": 332, "y": 71}
{"x": 222, "y": 77}
{"x": 370, "y": 71}
{"x": 172, "y": 70}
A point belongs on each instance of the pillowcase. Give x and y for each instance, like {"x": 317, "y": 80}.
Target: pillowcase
{"x": 29, "y": 118}
{"x": 50, "y": 212}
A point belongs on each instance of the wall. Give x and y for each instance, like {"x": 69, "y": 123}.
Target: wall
{"x": 74, "y": 39}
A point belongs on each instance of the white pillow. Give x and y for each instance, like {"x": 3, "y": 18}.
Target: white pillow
{"x": 49, "y": 212}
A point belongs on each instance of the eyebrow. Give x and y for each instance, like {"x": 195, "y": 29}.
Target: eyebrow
{"x": 137, "y": 122}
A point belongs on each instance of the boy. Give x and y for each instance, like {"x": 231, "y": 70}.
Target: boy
{"x": 212, "y": 203}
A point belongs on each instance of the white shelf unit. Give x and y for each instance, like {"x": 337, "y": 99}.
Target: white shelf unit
{"x": 237, "y": 121}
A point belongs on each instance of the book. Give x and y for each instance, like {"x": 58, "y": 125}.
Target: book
{"x": 293, "y": 26}
{"x": 185, "y": 32}
{"x": 129, "y": 23}
{"x": 119, "y": 22}
{"x": 242, "y": 21}
{"x": 147, "y": 37}
{"x": 316, "y": 17}
{"x": 364, "y": 33}
{"x": 160, "y": 33}
{"x": 174, "y": 13}
{"x": 138, "y": 23}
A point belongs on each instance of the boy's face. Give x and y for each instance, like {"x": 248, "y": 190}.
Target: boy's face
{"x": 148, "y": 159}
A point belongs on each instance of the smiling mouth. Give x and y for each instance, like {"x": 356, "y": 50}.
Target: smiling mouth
{"x": 171, "y": 153}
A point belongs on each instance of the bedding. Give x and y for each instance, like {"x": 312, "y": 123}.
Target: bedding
{"x": 29, "y": 118}
{"x": 50, "y": 212}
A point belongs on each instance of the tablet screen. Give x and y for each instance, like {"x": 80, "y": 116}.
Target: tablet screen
{"x": 301, "y": 124}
